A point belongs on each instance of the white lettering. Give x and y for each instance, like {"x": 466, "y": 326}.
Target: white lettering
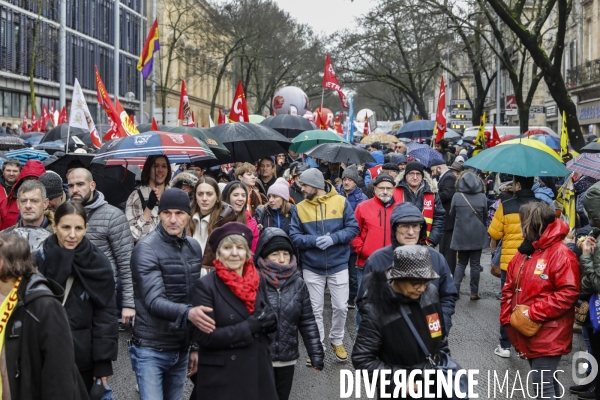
{"x": 560, "y": 384}
{"x": 346, "y": 384}
{"x": 444, "y": 384}
{"x": 457, "y": 390}
{"x": 428, "y": 381}
{"x": 384, "y": 382}
{"x": 400, "y": 383}
{"x": 472, "y": 382}
{"x": 414, "y": 388}
{"x": 515, "y": 388}
{"x": 370, "y": 385}
{"x": 504, "y": 382}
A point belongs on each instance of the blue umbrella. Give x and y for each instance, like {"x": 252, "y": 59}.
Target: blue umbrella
{"x": 23, "y": 155}
{"x": 416, "y": 129}
{"x": 423, "y": 153}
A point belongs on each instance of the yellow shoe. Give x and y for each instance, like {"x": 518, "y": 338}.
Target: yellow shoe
{"x": 340, "y": 352}
{"x": 308, "y": 363}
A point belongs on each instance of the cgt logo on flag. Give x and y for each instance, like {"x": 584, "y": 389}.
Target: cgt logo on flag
{"x": 435, "y": 327}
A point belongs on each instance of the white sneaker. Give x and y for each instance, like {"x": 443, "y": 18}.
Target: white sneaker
{"x": 500, "y": 352}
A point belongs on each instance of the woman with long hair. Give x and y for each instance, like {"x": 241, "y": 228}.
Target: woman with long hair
{"x": 39, "y": 361}
{"x": 236, "y": 195}
{"x": 278, "y": 212}
{"x": 542, "y": 285}
{"x": 76, "y": 264}
{"x": 208, "y": 212}
{"x": 238, "y": 346}
{"x": 141, "y": 210}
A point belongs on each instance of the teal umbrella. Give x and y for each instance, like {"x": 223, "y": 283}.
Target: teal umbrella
{"x": 309, "y": 139}
{"x": 205, "y": 135}
{"x": 517, "y": 159}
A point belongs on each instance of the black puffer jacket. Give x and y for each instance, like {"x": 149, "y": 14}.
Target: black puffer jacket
{"x": 267, "y": 217}
{"x": 109, "y": 230}
{"x": 164, "y": 269}
{"x": 294, "y": 312}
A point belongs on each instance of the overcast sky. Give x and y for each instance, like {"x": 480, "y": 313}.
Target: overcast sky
{"x": 325, "y": 16}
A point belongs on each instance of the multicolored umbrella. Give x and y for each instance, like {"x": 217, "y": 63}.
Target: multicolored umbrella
{"x": 379, "y": 137}
{"x": 309, "y": 139}
{"x": 23, "y": 155}
{"x": 551, "y": 141}
{"x": 423, "y": 153}
{"x": 178, "y": 147}
{"x": 586, "y": 164}
{"x": 534, "y": 144}
{"x": 205, "y": 135}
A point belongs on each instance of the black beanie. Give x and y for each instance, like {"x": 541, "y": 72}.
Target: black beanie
{"x": 414, "y": 166}
{"x": 275, "y": 244}
{"x": 176, "y": 199}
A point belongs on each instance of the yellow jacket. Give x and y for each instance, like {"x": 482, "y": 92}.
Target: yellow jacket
{"x": 506, "y": 225}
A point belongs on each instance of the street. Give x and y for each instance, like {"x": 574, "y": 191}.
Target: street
{"x": 473, "y": 337}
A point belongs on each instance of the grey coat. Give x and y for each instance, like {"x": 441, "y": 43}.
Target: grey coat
{"x": 470, "y": 232}
{"x": 109, "y": 230}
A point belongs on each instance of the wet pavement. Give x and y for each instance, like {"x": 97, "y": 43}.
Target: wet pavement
{"x": 473, "y": 337}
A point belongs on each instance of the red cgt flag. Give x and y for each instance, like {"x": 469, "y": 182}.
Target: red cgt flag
{"x": 330, "y": 81}
{"x": 221, "y": 119}
{"x": 24, "y": 124}
{"x": 116, "y": 126}
{"x": 321, "y": 122}
{"x": 239, "y": 108}
{"x": 45, "y": 118}
{"x": 62, "y": 116}
{"x": 495, "y": 137}
{"x": 35, "y": 124}
{"x": 154, "y": 126}
{"x": 440, "y": 117}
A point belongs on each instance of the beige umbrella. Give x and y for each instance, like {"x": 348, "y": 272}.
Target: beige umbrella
{"x": 379, "y": 137}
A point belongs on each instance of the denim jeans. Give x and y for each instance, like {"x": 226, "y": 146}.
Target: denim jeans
{"x": 160, "y": 375}
{"x": 542, "y": 377}
{"x": 473, "y": 258}
{"x": 504, "y": 340}
{"x": 352, "y": 275}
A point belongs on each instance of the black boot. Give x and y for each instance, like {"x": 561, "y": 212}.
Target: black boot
{"x": 580, "y": 388}
{"x": 590, "y": 394}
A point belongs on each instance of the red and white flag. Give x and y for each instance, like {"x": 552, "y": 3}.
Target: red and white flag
{"x": 35, "y": 126}
{"x": 440, "y": 117}
{"x": 81, "y": 116}
{"x": 45, "y": 118}
{"x": 330, "y": 81}
{"x": 62, "y": 116}
{"x": 24, "y": 124}
{"x": 366, "y": 129}
{"x": 239, "y": 108}
{"x": 221, "y": 119}
{"x": 184, "y": 117}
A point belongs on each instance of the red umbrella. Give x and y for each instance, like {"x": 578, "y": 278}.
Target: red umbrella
{"x": 535, "y": 132}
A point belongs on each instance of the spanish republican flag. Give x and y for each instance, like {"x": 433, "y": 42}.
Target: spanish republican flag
{"x": 146, "y": 61}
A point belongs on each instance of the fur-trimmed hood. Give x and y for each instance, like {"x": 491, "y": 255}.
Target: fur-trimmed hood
{"x": 185, "y": 178}
{"x": 427, "y": 179}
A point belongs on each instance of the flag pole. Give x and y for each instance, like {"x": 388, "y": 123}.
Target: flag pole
{"x": 322, "y": 96}
{"x": 68, "y": 136}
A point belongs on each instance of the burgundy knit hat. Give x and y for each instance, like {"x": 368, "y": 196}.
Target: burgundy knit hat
{"x": 230, "y": 228}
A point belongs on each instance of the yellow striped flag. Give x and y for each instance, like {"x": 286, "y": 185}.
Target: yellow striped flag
{"x": 564, "y": 136}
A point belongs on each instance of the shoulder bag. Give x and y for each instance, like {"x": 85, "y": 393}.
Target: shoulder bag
{"x": 495, "y": 267}
{"x": 518, "y": 320}
{"x": 441, "y": 361}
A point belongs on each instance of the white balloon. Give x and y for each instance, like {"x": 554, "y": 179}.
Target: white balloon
{"x": 290, "y": 96}
{"x": 360, "y": 116}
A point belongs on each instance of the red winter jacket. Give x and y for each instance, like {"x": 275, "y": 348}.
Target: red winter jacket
{"x": 9, "y": 211}
{"x": 550, "y": 283}
{"x": 374, "y": 222}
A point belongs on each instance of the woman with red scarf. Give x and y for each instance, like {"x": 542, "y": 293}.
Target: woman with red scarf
{"x": 234, "y": 360}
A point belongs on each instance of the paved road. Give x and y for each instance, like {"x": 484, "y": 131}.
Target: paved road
{"x": 472, "y": 341}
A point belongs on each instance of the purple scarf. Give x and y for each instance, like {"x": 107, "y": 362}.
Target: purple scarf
{"x": 276, "y": 274}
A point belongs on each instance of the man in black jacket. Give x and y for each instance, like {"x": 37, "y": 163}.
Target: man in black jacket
{"x": 446, "y": 189}
{"x": 165, "y": 264}
{"x": 408, "y": 227}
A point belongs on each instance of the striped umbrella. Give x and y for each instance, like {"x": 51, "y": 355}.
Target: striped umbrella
{"x": 23, "y": 155}
{"x": 178, "y": 147}
{"x": 586, "y": 164}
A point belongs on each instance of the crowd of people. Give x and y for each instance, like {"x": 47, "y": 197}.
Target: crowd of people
{"x": 217, "y": 272}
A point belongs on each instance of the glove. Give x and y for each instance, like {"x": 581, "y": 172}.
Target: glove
{"x": 324, "y": 242}
{"x": 263, "y": 323}
{"x": 254, "y": 323}
{"x": 152, "y": 200}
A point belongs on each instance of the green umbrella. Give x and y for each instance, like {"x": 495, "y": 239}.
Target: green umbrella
{"x": 309, "y": 139}
{"x": 256, "y": 119}
{"x": 206, "y": 136}
{"x": 517, "y": 159}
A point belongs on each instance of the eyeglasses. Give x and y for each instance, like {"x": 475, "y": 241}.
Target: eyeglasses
{"x": 384, "y": 189}
{"x": 414, "y": 173}
{"x": 417, "y": 284}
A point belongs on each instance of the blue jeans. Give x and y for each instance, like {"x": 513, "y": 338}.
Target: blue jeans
{"x": 160, "y": 375}
{"x": 504, "y": 340}
{"x": 542, "y": 375}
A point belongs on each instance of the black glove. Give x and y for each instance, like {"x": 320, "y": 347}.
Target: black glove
{"x": 152, "y": 200}
{"x": 254, "y": 323}
{"x": 265, "y": 322}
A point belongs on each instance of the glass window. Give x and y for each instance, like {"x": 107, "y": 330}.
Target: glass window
{"x": 7, "y": 102}
{"x": 16, "y": 105}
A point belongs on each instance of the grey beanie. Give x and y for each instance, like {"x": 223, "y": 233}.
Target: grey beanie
{"x": 313, "y": 177}
{"x": 351, "y": 173}
{"x": 53, "y": 184}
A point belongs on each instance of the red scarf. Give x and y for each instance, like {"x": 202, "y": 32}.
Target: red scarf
{"x": 243, "y": 287}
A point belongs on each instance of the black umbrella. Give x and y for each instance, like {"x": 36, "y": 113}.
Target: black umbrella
{"x": 60, "y": 165}
{"x": 248, "y": 142}
{"x": 115, "y": 182}
{"x": 593, "y": 147}
{"x": 288, "y": 125}
{"x": 61, "y": 131}
{"x": 341, "y": 153}
{"x": 148, "y": 127}
{"x": 416, "y": 129}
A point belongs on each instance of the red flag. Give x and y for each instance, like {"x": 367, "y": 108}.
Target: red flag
{"x": 330, "y": 81}
{"x": 126, "y": 121}
{"x": 52, "y": 114}
{"x": 221, "y": 119}
{"x": 51, "y": 107}
{"x": 45, "y": 118}
{"x": 116, "y": 127}
{"x": 193, "y": 123}
{"x": 366, "y": 130}
{"x": 495, "y": 137}
{"x": 337, "y": 125}
{"x": 62, "y": 117}
{"x": 440, "y": 117}
{"x": 24, "y": 124}
{"x": 154, "y": 126}
{"x": 35, "y": 125}
{"x": 321, "y": 122}
{"x": 185, "y": 114}
{"x": 239, "y": 108}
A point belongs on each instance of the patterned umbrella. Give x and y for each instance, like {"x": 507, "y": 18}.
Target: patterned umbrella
{"x": 586, "y": 164}
{"x": 23, "y": 155}
{"x": 379, "y": 137}
{"x": 178, "y": 147}
{"x": 423, "y": 153}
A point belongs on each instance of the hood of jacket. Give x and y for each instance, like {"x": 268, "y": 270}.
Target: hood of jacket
{"x": 96, "y": 202}
{"x": 428, "y": 183}
{"x": 184, "y": 178}
{"x": 265, "y": 237}
{"x": 554, "y": 232}
{"x": 31, "y": 168}
{"x": 404, "y": 210}
{"x": 469, "y": 182}
{"x": 591, "y": 203}
{"x": 379, "y": 158}
{"x": 38, "y": 286}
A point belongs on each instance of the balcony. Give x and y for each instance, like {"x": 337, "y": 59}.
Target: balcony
{"x": 584, "y": 74}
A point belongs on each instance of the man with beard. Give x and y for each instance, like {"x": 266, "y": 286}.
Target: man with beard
{"x": 10, "y": 172}
{"x": 321, "y": 229}
{"x": 109, "y": 230}
{"x": 373, "y": 217}
{"x": 446, "y": 189}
